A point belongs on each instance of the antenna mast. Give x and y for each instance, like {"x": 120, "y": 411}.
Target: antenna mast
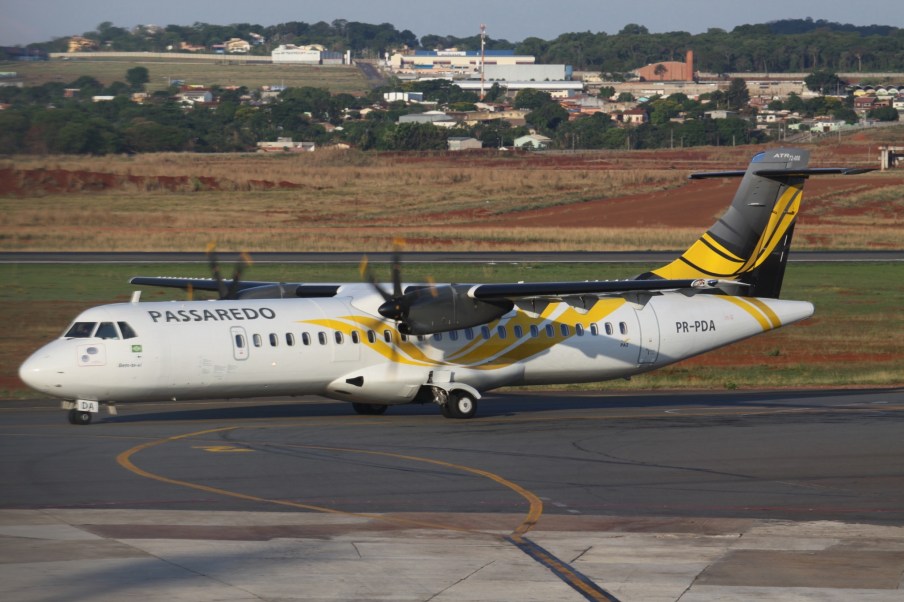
{"x": 483, "y": 43}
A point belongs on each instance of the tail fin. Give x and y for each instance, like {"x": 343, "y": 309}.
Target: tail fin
{"x": 750, "y": 242}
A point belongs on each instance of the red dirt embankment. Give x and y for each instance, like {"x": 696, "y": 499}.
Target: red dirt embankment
{"x": 31, "y": 182}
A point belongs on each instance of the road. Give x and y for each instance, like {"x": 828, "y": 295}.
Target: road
{"x": 660, "y": 496}
{"x": 650, "y": 257}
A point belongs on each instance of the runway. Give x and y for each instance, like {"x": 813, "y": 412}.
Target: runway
{"x": 544, "y": 496}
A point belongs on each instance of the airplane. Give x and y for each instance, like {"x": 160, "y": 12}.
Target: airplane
{"x": 375, "y": 346}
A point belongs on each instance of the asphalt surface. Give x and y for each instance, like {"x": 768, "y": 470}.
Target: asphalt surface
{"x": 536, "y": 487}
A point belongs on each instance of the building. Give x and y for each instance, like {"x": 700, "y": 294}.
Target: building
{"x": 80, "y": 44}
{"x": 527, "y": 73}
{"x": 437, "y": 118}
{"x": 459, "y": 143}
{"x": 237, "y": 46}
{"x": 561, "y": 88}
{"x": 669, "y": 70}
{"x": 634, "y": 117}
{"x": 289, "y": 53}
{"x": 194, "y": 94}
{"x": 285, "y": 145}
{"x": 403, "y": 96}
{"x": 461, "y": 61}
{"x": 533, "y": 141}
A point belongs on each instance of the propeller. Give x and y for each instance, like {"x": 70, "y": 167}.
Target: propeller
{"x": 396, "y": 304}
{"x": 230, "y": 290}
{"x": 432, "y": 308}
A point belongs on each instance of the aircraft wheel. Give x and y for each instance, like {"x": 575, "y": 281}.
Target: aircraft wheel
{"x": 369, "y": 409}
{"x": 76, "y": 417}
{"x": 446, "y": 410}
{"x": 461, "y": 405}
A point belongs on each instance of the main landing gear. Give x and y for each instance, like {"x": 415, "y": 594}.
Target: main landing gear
{"x": 459, "y": 404}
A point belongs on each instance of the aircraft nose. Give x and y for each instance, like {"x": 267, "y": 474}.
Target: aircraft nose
{"x": 41, "y": 372}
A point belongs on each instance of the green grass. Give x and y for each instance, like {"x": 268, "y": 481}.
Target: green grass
{"x": 853, "y": 340}
{"x": 336, "y": 78}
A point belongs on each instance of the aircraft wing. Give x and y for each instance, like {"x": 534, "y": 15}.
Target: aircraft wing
{"x": 246, "y": 289}
{"x": 523, "y": 290}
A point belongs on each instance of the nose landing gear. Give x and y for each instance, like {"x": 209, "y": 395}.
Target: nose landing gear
{"x": 79, "y": 417}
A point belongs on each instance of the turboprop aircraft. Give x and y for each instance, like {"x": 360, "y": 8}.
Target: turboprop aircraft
{"x": 439, "y": 343}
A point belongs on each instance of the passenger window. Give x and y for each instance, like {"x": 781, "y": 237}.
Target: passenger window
{"x": 356, "y": 338}
{"x": 608, "y": 328}
{"x": 239, "y": 341}
{"x": 290, "y": 339}
{"x": 257, "y": 340}
{"x": 274, "y": 340}
{"x": 438, "y": 336}
{"x": 469, "y": 334}
{"x": 371, "y": 337}
{"x": 80, "y": 330}
{"x": 305, "y": 338}
{"x": 550, "y": 331}
{"x": 107, "y": 330}
{"x": 420, "y": 338}
{"x": 579, "y": 329}
{"x": 404, "y": 338}
{"x": 387, "y": 336}
{"x": 339, "y": 338}
{"x": 519, "y": 332}
{"x": 594, "y": 329}
{"x": 565, "y": 330}
{"x": 485, "y": 332}
{"x": 500, "y": 330}
{"x": 623, "y": 327}
{"x": 126, "y": 330}
{"x": 453, "y": 335}
{"x": 534, "y": 331}
{"x": 321, "y": 337}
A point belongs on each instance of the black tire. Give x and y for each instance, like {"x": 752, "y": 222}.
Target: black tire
{"x": 369, "y": 409}
{"x": 77, "y": 417}
{"x": 461, "y": 404}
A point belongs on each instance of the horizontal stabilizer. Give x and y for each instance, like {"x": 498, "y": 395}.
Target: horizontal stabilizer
{"x": 787, "y": 173}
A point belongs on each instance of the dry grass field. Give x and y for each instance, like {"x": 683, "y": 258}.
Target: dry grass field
{"x": 352, "y": 201}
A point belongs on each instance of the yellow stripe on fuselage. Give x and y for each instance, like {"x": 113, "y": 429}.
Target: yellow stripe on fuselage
{"x": 480, "y": 353}
{"x": 758, "y": 310}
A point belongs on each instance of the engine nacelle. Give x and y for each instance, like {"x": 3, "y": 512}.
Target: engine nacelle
{"x": 433, "y": 309}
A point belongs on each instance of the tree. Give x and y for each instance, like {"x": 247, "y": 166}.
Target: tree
{"x": 137, "y": 77}
{"x": 884, "y": 114}
{"x": 824, "y": 82}
{"x": 737, "y": 95}
{"x": 547, "y": 117}
{"x": 531, "y": 99}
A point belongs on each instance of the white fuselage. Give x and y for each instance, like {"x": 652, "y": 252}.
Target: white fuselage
{"x": 340, "y": 347}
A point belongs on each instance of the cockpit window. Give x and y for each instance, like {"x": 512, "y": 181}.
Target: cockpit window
{"x": 80, "y": 330}
{"x": 107, "y": 330}
{"x": 126, "y": 330}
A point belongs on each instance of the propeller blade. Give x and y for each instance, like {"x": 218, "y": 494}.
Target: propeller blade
{"x": 366, "y": 274}
{"x": 397, "y": 245}
{"x": 214, "y": 264}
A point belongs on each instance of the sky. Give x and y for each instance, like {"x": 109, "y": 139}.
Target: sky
{"x": 26, "y": 21}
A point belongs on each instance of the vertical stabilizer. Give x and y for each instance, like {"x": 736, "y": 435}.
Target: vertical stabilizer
{"x": 750, "y": 242}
